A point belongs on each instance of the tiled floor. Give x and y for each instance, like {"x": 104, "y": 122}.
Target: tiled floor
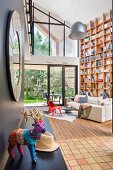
{"x": 88, "y": 153}
{"x": 85, "y": 145}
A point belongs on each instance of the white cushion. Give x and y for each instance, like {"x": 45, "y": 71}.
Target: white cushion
{"x": 106, "y": 101}
{"x": 93, "y": 100}
{"x": 77, "y": 97}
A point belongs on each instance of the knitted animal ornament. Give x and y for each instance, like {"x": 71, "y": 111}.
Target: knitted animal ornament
{"x": 27, "y": 137}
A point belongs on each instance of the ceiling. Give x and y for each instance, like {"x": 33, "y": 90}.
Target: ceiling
{"x": 73, "y": 10}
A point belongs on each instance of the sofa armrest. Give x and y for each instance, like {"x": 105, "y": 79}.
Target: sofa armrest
{"x": 108, "y": 112}
{"x": 108, "y": 103}
{"x": 97, "y": 113}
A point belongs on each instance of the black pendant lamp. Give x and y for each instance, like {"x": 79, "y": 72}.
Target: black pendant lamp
{"x": 78, "y": 30}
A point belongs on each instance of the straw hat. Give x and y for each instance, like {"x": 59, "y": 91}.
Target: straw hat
{"x": 47, "y": 143}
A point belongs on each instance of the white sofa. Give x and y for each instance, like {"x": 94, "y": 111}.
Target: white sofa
{"x": 101, "y": 110}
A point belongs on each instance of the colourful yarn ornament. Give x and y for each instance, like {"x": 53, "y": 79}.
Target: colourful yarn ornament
{"x": 27, "y": 137}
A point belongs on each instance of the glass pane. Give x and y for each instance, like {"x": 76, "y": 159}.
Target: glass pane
{"x": 69, "y": 81}
{"x": 56, "y": 84}
{"x": 41, "y": 43}
{"x": 70, "y": 45}
{"x": 40, "y": 17}
{"x": 57, "y": 38}
{"x": 35, "y": 84}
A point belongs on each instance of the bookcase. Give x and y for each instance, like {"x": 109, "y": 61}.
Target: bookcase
{"x": 96, "y": 57}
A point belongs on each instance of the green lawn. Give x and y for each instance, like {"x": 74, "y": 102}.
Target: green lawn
{"x": 34, "y": 101}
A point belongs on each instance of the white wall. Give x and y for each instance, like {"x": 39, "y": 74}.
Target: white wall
{"x": 53, "y": 60}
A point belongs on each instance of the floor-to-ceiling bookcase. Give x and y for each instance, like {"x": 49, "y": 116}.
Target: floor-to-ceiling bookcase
{"x": 96, "y": 57}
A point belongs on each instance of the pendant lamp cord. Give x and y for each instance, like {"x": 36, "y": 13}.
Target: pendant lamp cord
{"x": 77, "y": 9}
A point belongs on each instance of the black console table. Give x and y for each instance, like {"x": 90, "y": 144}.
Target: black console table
{"x": 45, "y": 161}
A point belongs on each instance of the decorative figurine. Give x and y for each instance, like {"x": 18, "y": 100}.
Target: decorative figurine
{"x": 27, "y": 137}
{"x": 105, "y": 95}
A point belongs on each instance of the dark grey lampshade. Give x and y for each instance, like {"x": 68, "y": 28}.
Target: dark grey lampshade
{"x": 78, "y": 31}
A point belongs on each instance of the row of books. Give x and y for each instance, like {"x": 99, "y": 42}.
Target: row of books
{"x": 88, "y": 45}
{"x": 91, "y": 58}
{"x": 108, "y": 47}
{"x": 107, "y": 53}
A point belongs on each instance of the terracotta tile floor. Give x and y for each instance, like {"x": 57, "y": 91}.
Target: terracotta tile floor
{"x": 88, "y": 153}
{"x": 85, "y": 145}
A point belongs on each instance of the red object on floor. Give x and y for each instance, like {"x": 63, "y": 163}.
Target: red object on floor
{"x": 53, "y": 108}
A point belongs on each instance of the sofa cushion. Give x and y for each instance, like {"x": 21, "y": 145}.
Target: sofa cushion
{"x": 83, "y": 99}
{"x": 77, "y": 97}
{"x": 94, "y": 100}
{"x": 107, "y": 101}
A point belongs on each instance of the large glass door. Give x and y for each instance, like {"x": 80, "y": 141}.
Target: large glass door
{"x": 55, "y": 83}
{"x": 62, "y": 82}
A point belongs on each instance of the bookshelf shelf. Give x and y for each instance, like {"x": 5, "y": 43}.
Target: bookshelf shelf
{"x": 107, "y": 21}
{"x": 96, "y": 56}
{"x": 107, "y": 28}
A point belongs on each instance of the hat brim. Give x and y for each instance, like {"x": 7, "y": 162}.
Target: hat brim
{"x": 54, "y": 148}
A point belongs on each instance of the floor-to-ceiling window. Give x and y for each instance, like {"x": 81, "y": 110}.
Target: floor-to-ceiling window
{"x": 56, "y": 84}
{"x": 70, "y": 81}
{"x": 52, "y": 82}
{"x": 50, "y": 35}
